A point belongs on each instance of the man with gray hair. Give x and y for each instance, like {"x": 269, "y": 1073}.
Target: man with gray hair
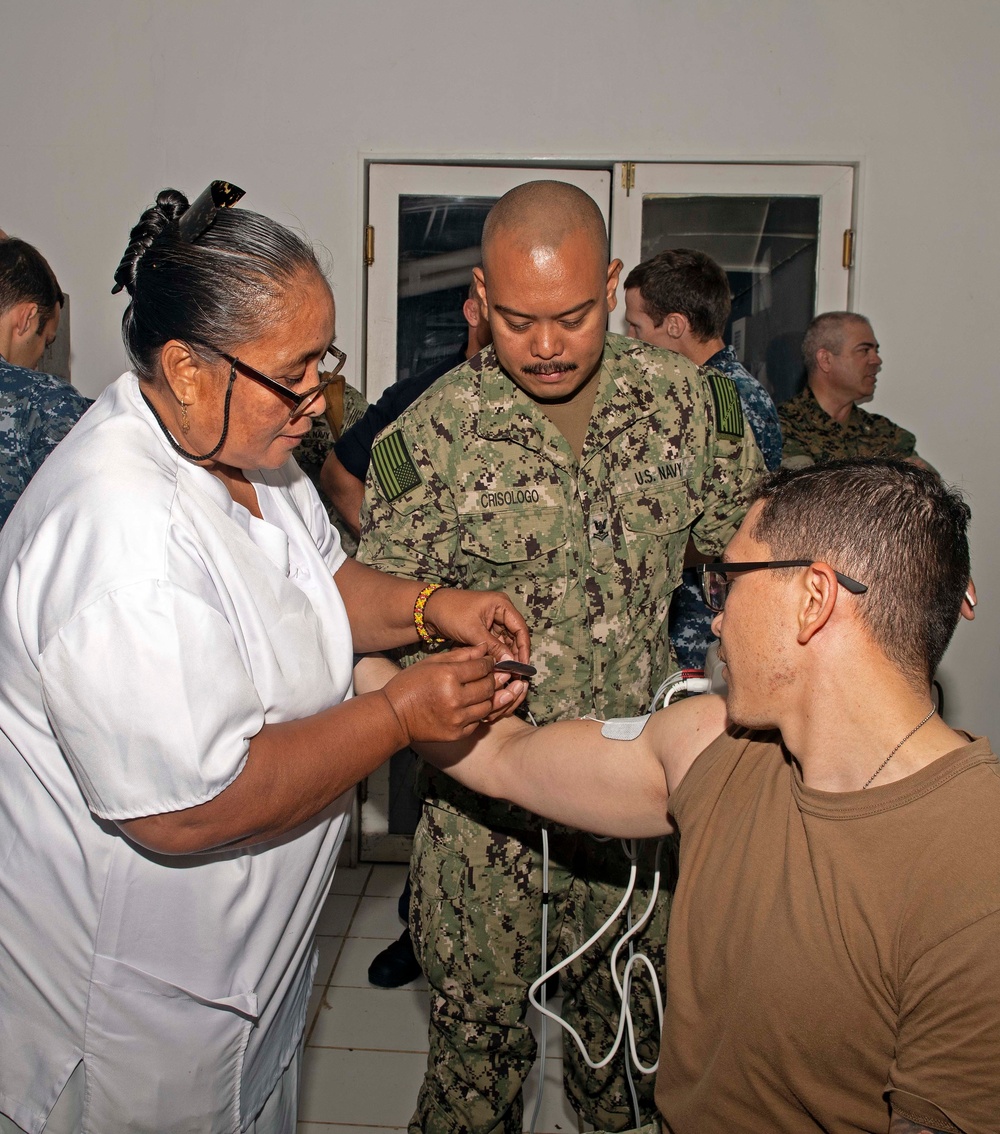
{"x": 823, "y": 422}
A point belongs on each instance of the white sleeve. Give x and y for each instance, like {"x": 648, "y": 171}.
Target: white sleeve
{"x": 150, "y": 700}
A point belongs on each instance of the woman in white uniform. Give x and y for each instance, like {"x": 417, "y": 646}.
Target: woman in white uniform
{"x": 178, "y": 735}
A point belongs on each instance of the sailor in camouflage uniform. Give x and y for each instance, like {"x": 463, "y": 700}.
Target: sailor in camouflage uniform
{"x": 36, "y": 410}
{"x": 680, "y": 300}
{"x": 824, "y": 422}
{"x": 584, "y": 523}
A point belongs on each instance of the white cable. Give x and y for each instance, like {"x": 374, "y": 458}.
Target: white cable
{"x": 543, "y": 1034}
{"x": 677, "y": 682}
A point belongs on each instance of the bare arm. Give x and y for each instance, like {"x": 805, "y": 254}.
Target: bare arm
{"x": 572, "y": 774}
{"x": 344, "y": 491}
{"x": 297, "y": 768}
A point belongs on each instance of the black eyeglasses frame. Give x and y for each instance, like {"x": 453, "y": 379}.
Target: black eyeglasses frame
{"x": 299, "y": 402}
{"x": 721, "y": 567}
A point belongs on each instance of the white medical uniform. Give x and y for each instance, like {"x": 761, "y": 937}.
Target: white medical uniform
{"x": 149, "y": 627}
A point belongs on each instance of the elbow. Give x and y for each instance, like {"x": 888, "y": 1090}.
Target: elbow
{"x": 168, "y": 835}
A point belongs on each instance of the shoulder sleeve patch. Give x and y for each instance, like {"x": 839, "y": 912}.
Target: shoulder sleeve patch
{"x": 394, "y": 467}
{"x": 728, "y": 407}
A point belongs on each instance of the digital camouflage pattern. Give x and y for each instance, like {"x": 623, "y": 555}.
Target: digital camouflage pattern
{"x": 315, "y": 447}
{"x": 36, "y": 412}
{"x": 760, "y": 410}
{"x": 479, "y": 968}
{"x": 690, "y": 619}
{"x": 475, "y": 487}
{"x": 811, "y": 435}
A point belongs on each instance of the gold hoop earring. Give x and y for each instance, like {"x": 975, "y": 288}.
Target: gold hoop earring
{"x": 185, "y": 421}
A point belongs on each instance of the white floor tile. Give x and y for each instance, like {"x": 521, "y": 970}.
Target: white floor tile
{"x": 376, "y": 1019}
{"x": 350, "y": 879}
{"x": 361, "y": 1088}
{"x": 387, "y": 880}
{"x": 335, "y": 920}
{"x": 329, "y": 952}
{"x": 357, "y": 955}
{"x": 376, "y": 917}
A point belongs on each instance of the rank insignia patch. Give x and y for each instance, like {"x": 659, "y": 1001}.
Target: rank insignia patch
{"x": 728, "y": 407}
{"x": 394, "y": 466}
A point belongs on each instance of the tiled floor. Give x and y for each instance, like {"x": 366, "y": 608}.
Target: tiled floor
{"x": 366, "y": 1047}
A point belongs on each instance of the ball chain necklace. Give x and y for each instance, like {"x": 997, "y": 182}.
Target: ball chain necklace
{"x": 897, "y": 748}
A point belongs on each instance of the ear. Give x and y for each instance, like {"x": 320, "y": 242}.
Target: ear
{"x": 472, "y": 311}
{"x": 614, "y": 271}
{"x": 25, "y": 321}
{"x": 820, "y": 591}
{"x": 823, "y": 357}
{"x": 479, "y": 279}
{"x": 676, "y": 325}
{"x": 185, "y": 372}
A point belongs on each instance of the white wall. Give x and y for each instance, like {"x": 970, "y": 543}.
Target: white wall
{"x": 104, "y": 103}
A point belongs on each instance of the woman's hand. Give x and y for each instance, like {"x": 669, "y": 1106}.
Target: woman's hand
{"x": 474, "y": 617}
{"x": 447, "y": 696}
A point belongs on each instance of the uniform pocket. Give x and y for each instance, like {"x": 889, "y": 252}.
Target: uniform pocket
{"x": 161, "y": 1058}
{"x": 522, "y": 552}
{"x": 656, "y": 523}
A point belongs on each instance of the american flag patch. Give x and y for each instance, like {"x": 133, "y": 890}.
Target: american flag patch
{"x": 394, "y": 467}
{"x": 728, "y": 407}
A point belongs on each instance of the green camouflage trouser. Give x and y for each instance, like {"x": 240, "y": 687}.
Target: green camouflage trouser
{"x": 475, "y": 918}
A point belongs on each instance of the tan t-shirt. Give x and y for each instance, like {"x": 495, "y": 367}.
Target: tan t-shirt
{"x": 830, "y": 953}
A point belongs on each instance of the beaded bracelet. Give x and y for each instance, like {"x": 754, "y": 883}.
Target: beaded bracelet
{"x": 418, "y": 614}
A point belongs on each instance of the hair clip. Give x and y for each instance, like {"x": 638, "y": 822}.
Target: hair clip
{"x": 199, "y": 216}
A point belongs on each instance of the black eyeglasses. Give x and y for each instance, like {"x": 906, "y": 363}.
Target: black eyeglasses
{"x": 301, "y": 403}
{"x": 715, "y": 584}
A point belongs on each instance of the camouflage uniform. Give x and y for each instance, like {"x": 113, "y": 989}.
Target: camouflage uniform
{"x": 36, "y": 412}
{"x": 812, "y": 436}
{"x": 690, "y": 618}
{"x": 475, "y": 487}
{"x": 315, "y": 447}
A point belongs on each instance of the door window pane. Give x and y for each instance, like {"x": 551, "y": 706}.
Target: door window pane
{"x": 768, "y": 248}
{"x": 439, "y": 245}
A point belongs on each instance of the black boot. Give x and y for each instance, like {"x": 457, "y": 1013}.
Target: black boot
{"x": 396, "y": 965}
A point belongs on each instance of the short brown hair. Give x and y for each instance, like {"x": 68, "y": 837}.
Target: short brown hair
{"x": 890, "y": 524}
{"x": 25, "y": 277}
{"x": 688, "y": 282}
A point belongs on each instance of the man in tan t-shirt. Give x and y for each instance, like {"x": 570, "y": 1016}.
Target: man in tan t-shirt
{"x": 832, "y": 960}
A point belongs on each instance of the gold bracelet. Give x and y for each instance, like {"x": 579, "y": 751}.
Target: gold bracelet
{"x": 418, "y": 614}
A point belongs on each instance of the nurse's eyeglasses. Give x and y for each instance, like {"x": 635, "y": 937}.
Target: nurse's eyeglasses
{"x": 302, "y": 404}
{"x": 715, "y": 582}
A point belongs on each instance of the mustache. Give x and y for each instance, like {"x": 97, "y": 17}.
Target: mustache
{"x": 549, "y": 368}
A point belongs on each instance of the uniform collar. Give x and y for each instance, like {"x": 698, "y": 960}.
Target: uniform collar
{"x": 507, "y": 413}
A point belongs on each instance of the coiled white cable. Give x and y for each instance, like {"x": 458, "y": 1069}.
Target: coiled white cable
{"x": 689, "y": 681}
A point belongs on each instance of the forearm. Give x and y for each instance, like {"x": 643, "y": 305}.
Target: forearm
{"x": 567, "y": 772}
{"x": 344, "y": 491}
{"x": 379, "y": 607}
{"x": 292, "y": 772}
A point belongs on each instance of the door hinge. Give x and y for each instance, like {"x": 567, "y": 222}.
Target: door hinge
{"x": 369, "y": 244}
{"x": 628, "y": 176}
{"x": 848, "y": 247}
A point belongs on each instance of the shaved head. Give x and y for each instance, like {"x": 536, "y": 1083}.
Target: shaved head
{"x": 542, "y": 214}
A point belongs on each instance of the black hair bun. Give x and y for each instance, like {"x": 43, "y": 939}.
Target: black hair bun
{"x": 170, "y": 205}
